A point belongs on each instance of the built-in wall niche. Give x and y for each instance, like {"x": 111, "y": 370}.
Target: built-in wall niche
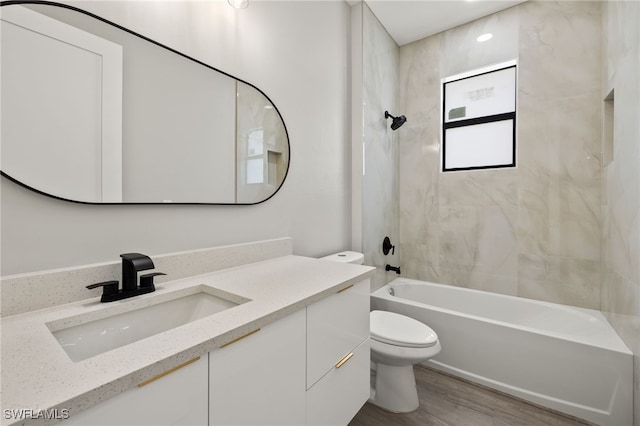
{"x": 479, "y": 119}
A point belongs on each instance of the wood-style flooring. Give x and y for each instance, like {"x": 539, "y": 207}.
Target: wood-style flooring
{"x": 447, "y": 400}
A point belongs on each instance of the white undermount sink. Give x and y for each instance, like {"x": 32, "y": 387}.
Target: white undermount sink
{"x": 92, "y": 338}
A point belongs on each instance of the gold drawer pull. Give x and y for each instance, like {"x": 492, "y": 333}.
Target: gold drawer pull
{"x": 240, "y": 338}
{"x": 346, "y": 288}
{"x": 159, "y": 376}
{"x": 343, "y": 360}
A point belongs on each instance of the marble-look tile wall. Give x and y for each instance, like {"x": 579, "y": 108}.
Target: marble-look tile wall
{"x": 380, "y": 180}
{"x": 534, "y": 230}
{"x": 620, "y": 296}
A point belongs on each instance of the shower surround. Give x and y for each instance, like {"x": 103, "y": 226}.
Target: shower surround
{"x": 620, "y": 300}
{"x": 381, "y": 89}
{"x": 564, "y": 226}
{"x": 534, "y": 230}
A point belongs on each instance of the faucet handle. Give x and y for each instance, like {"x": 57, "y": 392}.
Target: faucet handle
{"x": 147, "y": 279}
{"x": 108, "y": 288}
{"x": 387, "y": 246}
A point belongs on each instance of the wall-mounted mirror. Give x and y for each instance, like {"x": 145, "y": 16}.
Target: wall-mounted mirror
{"x": 94, "y": 113}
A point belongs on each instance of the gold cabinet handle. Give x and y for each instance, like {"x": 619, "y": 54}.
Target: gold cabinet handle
{"x": 240, "y": 338}
{"x": 343, "y": 360}
{"x": 346, "y": 288}
{"x": 161, "y": 375}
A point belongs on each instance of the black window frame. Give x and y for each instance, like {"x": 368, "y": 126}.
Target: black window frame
{"x": 478, "y": 120}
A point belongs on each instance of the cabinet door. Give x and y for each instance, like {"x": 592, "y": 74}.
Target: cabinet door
{"x": 260, "y": 379}
{"x": 176, "y": 399}
{"x": 338, "y": 396}
{"x": 335, "y": 327}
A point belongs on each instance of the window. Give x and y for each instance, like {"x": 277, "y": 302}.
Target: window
{"x": 479, "y": 119}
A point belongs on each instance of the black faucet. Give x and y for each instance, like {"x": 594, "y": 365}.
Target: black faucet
{"x": 395, "y": 269}
{"x": 132, "y": 263}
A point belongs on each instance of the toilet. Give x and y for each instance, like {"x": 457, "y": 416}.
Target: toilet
{"x": 397, "y": 343}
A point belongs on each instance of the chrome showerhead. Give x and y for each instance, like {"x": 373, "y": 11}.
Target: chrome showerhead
{"x": 397, "y": 121}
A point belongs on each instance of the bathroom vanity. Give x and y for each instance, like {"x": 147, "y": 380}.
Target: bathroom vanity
{"x": 291, "y": 347}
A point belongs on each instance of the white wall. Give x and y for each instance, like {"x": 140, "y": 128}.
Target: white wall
{"x": 297, "y": 53}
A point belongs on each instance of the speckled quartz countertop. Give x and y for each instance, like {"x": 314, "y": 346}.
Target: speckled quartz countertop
{"x": 37, "y": 374}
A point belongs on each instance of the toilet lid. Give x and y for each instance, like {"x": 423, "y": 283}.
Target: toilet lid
{"x": 400, "y": 330}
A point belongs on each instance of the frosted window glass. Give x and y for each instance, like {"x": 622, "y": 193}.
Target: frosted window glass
{"x": 478, "y": 119}
{"x": 482, "y": 95}
{"x": 481, "y": 145}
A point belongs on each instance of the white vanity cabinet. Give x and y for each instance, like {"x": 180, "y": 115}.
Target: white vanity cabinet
{"x": 178, "y": 397}
{"x": 338, "y": 360}
{"x": 260, "y": 379}
{"x": 310, "y": 367}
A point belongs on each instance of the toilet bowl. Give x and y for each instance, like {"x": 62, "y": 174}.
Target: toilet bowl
{"x": 397, "y": 343}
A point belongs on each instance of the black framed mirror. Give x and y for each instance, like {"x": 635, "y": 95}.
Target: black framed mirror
{"x": 95, "y": 113}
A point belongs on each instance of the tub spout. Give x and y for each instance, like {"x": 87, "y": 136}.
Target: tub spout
{"x": 396, "y": 269}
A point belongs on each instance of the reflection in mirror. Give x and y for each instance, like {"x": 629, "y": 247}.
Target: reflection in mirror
{"x": 97, "y": 114}
{"x": 262, "y": 146}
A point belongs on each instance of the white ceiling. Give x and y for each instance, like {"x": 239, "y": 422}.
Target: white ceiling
{"x": 412, "y": 20}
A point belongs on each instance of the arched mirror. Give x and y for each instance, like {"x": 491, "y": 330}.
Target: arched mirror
{"x": 95, "y": 113}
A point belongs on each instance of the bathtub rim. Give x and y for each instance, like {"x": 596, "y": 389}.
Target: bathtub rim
{"x": 622, "y": 348}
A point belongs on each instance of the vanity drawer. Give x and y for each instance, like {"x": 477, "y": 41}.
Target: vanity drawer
{"x": 335, "y": 327}
{"x": 338, "y": 396}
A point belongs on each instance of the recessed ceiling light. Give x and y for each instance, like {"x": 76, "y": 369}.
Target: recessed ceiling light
{"x": 484, "y": 37}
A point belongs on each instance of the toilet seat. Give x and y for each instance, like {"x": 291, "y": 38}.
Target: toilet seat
{"x": 399, "y": 330}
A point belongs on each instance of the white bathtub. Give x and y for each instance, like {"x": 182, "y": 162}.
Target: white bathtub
{"x": 566, "y": 358}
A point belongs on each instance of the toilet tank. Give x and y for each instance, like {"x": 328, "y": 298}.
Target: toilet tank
{"x": 346, "y": 257}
